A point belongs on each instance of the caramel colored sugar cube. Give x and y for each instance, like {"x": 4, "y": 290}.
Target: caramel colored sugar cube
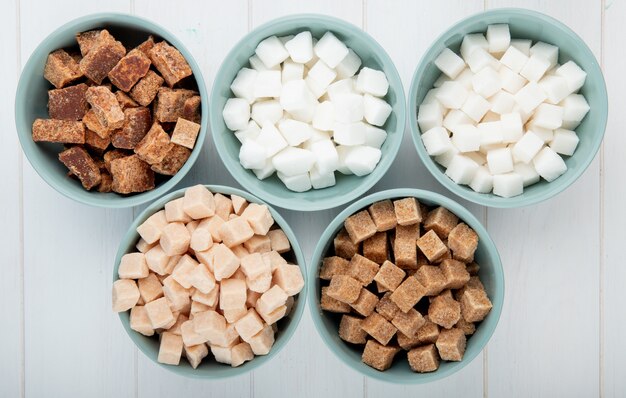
{"x": 63, "y": 131}
{"x": 82, "y": 165}
{"x": 455, "y": 273}
{"x": 169, "y": 62}
{"x": 133, "y": 266}
{"x": 195, "y": 354}
{"x": 103, "y": 55}
{"x": 360, "y": 226}
{"x": 185, "y": 133}
{"x": 174, "y": 211}
{"x": 170, "y": 349}
{"x": 112, "y": 154}
{"x": 350, "y": 330}
{"x": 365, "y": 304}
{"x": 61, "y": 69}
{"x": 147, "y": 88}
{"x": 289, "y": 278}
{"x": 202, "y": 279}
{"x": 444, "y": 310}
{"x": 389, "y": 276}
{"x": 379, "y": 328}
{"x": 272, "y": 299}
{"x": 131, "y": 174}
{"x": 424, "y": 359}
{"x": 387, "y": 308}
{"x": 232, "y": 294}
{"x": 239, "y": 203}
{"x": 209, "y": 324}
{"x": 189, "y": 334}
{"x": 379, "y": 357}
{"x": 150, "y": 230}
{"x": 258, "y": 244}
{"x": 140, "y": 322}
{"x": 344, "y": 247}
{"x": 404, "y": 248}
{"x": 432, "y": 246}
{"x": 253, "y": 266}
{"x": 262, "y": 342}
{"x": 91, "y": 122}
{"x": 170, "y": 102}
{"x": 86, "y": 40}
{"x": 125, "y": 295}
{"x": 175, "y": 239}
{"x": 432, "y": 278}
{"x": 176, "y": 295}
{"x": 209, "y": 299}
{"x": 137, "y": 123}
{"x": 274, "y": 316}
{"x": 97, "y": 145}
{"x": 330, "y": 304}
{"x": 409, "y": 293}
{"x": 472, "y": 268}
{"x": 173, "y": 161}
{"x": 475, "y": 305}
{"x": 363, "y": 269}
{"x": 150, "y": 288}
{"x": 334, "y": 265}
{"x": 154, "y": 146}
{"x": 159, "y": 313}
{"x": 407, "y": 211}
{"x": 451, "y": 344}
{"x": 375, "y": 248}
{"x": 259, "y": 218}
{"x": 468, "y": 328}
{"x": 442, "y": 221}
{"x": 132, "y": 67}
{"x": 157, "y": 260}
{"x": 463, "y": 242}
{"x": 236, "y": 231}
{"x": 125, "y": 100}
{"x": 428, "y": 333}
{"x": 68, "y": 103}
{"x": 105, "y": 106}
{"x": 383, "y": 215}
{"x": 146, "y": 45}
{"x": 249, "y": 325}
{"x": 408, "y": 322}
{"x": 225, "y": 262}
{"x": 198, "y": 202}
{"x": 405, "y": 342}
{"x": 279, "y": 241}
{"x": 344, "y": 288}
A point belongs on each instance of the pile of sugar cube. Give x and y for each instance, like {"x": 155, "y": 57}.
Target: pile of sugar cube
{"x": 302, "y": 111}
{"x": 511, "y": 109}
{"x": 209, "y": 274}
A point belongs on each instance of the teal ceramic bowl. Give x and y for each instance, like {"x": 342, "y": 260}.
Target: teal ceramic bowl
{"x": 32, "y": 98}
{"x": 209, "y": 369}
{"x": 490, "y": 274}
{"x": 524, "y": 24}
{"x": 272, "y": 189}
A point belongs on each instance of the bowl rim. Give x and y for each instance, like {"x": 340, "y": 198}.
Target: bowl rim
{"x": 488, "y": 199}
{"x": 297, "y": 312}
{"x": 112, "y": 18}
{"x": 234, "y": 167}
{"x": 465, "y": 216}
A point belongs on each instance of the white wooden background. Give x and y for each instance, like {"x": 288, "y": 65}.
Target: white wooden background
{"x": 563, "y": 324}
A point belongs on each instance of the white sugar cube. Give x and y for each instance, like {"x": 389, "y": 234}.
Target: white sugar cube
{"x": 555, "y": 87}
{"x": 292, "y": 71}
{"x": 376, "y": 110}
{"x": 258, "y": 65}
{"x": 236, "y": 113}
{"x": 452, "y": 94}
{"x": 482, "y": 181}
{"x": 573, "y": 74}
{"x": 545, "y": 134}
{"x": 462, "y": 169}
{"x": 348, "y": 107}
{"x": 300, "y": 47}
{"x": 575, "y": 107}
{"x": 500, "y": 161}
{"x": 465, "y": 78}
{"x": 296, "y": 183}
{"x": 271, "y": 139}
{"x": 480, "y": 59}
{"x": 243, "y": 85}
{"x": 490, "y": 117}
{"x": 564, "y": 142}
{"x": 466, "y": 138}
{"x": 511, "y": 81}
{"x": 349, "y": 133}
{"x": 436, "y": 141}
{"x": 319, "y": 78}
{"x": 292, "y": 161}
{"x": 523, "y": 45}
{"x": 530, "y": 96}
{"x": 362, "y": 160}
{"x": 549, "y": 164}
{"x": 486, "y": 82}
{"x": 269, "y": 111}
{"x": 265, "y": 171}
{"x": 478, "y": 157}
{"x": 348, "y": 66}
{"x": 319, "y": 181}
{"x": 429, "y": 115}
{"x": 508, "y": 185}
{"x": 297, "y": 99}
{"x": 548, "y": 116}
{"x": 446, "y": 158}
{"x": 490, "y": 133}
{"x": 268, "y": 84}
{"x": 546, "y": 51}
{"x": 527, "y": 147}
{"x": 319, "y": 135}
{"x": 511, "y": 127}
{"x": 449, "y": 63}
{"x": 252, "y": 155}
{"x": 271, "y": 51}
{"x": 342, "y": 153}
{"x": 372, "y": 81}
{"x": 473, "y": 42}
{"x": 524, "y": 115}
{"x": 324, "y": 116}
{"x": 455, "y": 118}
{"x": 441, "y": 80}
{"x": 295, "y": 132}
{"x": 475, "y": 106}
{"x": 535, "y": 68}
{"x": 514, "y": 59}
{"x": 330, "y": 49}
{"x": 502, "y": 102}
{"x": 528, "y": 173}
{"x": 374, "y": 136}
{"x": 498, "y": 37}
{"x": 326, "y": 156}
{"x": 343, "y": 86}
{"x": 250, "y": 132}
{"x": 285, "y": 39}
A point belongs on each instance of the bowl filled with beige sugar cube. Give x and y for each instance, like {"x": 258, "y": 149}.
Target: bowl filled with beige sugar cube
{"x": 508, "y": 108}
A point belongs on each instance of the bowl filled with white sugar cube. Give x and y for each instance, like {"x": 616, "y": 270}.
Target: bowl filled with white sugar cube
{"x": 208, "y": 282}
{"x": 307, "y": 112}
{"x": 508, "y": 108}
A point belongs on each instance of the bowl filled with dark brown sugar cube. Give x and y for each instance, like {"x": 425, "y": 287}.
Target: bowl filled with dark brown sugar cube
{"x": 111, "y": 110}
{"x": 406, "y": 286}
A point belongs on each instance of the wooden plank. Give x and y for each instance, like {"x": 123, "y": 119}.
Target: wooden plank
{"x": 547, "y": 342}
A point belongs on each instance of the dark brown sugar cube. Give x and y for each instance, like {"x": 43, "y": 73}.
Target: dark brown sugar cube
{"x": 472, "y": 268}
{"x": 185, "y": 133}
{"x": 350, "y": 330}
{"x": 344, "y": 247}
{"x": 64, "y": 131}
{"x": 387, "y": 308}
{"x": 154, "y": 146}
{"x": 379, "y": 328}
{"x": 137, "y": 123}
{"x": 463, "y": 242}
{"x": 103, "y": 55}
{"x": 451, "y": 344}
{"x": 379, "y": 357}
{"x": 409, "y": 293}
{"x": 363, "y": 269}
{"x": 105, "y": 106}
{"x": 407, "y": 211}
{"x": 455, "y": 273}
{"x": 170, "y": 103}
{"x": 389, "y": 276}
{"x": 86, "y": 40}
{"x": 406, "y": 342}
{"x": 428, "y": 333}
{"x": 96, "y": 143}
{"x": 61, "y": 69}
{"x": 146, "y": 46}
{"x": 408, "y": 322}
{"x": 432, "y": 246}
{"x": 383, "y": 215}
{"x": 475, "y": 305}
{"x": 468, "y": 328}
{"x": 169, "y": 62}
{"x": 124, "y": 100}
{"x": 344, "y": 288}
{"x": 329, "y": 304}
{"x": 405, "y": 249}
{"x": 424, "y": 359}
{"x": 132, "y": 67}
{"x": 92, "y": 123}
{"x": 78, "y": 161}
{"x": 106, "y": 182}
{"x": 444, "y": 310}
{"x": 173, "y": 161}
{"x": 147, "y": 88}
{"x": 440, "y": 220}
{"x": 432, "y": 278}
{"x": 366, "y": 302}
{"x": 375, "y": 248}
{"x": 360, "y": 226}
{"x": 332, "y": 266}
{"x": 113, "y": 154}
{"x": 191, "y": 109}
{"x": 131, "y": 174}
{"x": 68, "y": 103}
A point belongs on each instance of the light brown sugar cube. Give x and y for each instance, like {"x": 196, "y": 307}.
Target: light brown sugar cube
{"x": 239, "y": 204}
{"x": 344, "y": 288}
{"x": 330, "y": 304}
{"x": 189, "y": 334}
{"x": 444, "y": 310}
{"x": 139, "y": 321}
{"x": 408, "y": 322}
{"x": 409, "y": 293}
{"x": 383, "y": 215}
{"x": 274, "y": 259}
{"x": 451, "y": 344}
{"x": 133, "y": 266}
{"x": 225, "y": 262}
{"x": 270, "y": 300}
{"x": 191, "y": 226}
{"x": 428, "y": 333}
{"x": 157, "y": 260}
{"x": 472, "y": 268}
{"x": 455, "y": 273}
{"x": 229, "y": 338}
{"x": 232, "y": 294}
{"x": 424, "y": 359}
{"x": 174, "y": 211}
{"x": 259, "y": 218}
{"x": 177, "y": 295}
{"x": 262, "y": 342}
{"x": 366, "y": 302}
{"x": 274, "y": 316}
{"x": 279, "y": 241}
{"x": 258, "y": 244}
{"x": 142, "y": 246}
{"x": 432, "y": 246}
{"x": 201, "y": 238}
{"x": 170, "y": 349}
{"x": 223, "y": 206}
{"x": 221, "y": 354}
{"x": 475, "y": 305}
{"x": 378, "y": 356}
{"x": 406, "y": 342}
{"x": 233, "y": 315}
{"x": 198, "y": 307}
{"x": 202, "y": 279}
{"x": 360, "y": 226}
{"x": 350, "y": 330}
{"x": 463, "y": 242}
{"x": 253, "y": 266}
{"x": 159, "y": 313}
{"x": 289, "y": 278}
{"x": 249, "y": 325}
{"x": 432, "y": 278}
{"x": 195, "y": 354}
{"x": 125, "y": 295}
{"x": 379, "y": 328}
{"x": 441, "y": 221}
{"x": 182, "y": 271}
{"x": 344, "y": 247}
{"x": 235, "y": 231}
{"x": 240, "y": 354}
{"x": 389, "y": 276}
{"x": 175, "y": 239}
{"x": 150, "y": 230}
{"x": 408, "y": 211}
{"x": 376, "y": 248}
{"x": 468, "y": 328}
{"x": 334, "y": 265}
{"x": 404, "y": 248}
{"x": 209, "y": 324}
{"x": 177, "y": 327}
{"x": 150, "y": 288}
{"x": 380, "y": 288}
{"x": 363, "y": 269}
{"x": 387, "y": 308}
{"x": 209, "y": 299}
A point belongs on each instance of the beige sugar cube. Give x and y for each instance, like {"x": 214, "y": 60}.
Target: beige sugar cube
{"x": 213, "y": 224}
{"x": 195, "y": 354}
{"x": 202, "y": 279}
{"x": 225, "y": 262}
{"x": 232, "y": 294}
{"x": 274, "y": 259}
{"x": 239, "y": 275}
{"x": 142, "y": 246}
{"x": 261, "y": 283}
{"x": 229, "y": 338}
{"x": 198, "y": 307}
{"x": 272, "y": 299}
{"x": 252, "y": 298}
{"x": 150, "y": 230}
{"x": 189, "y": 334}
{"x": 182, "y": 271}
{"x": 198, "y": 202}
{"x": 240, "y": 251}
{"x": 140, "y": 322}
{"x": 177, "y": 295}
{"x": 289, "y": 278}
{"x": 125, "y": 295}
{"x": 274, "y": 316}
{"x": 262, "y": 342}
{"x": 221, "y": 354}
{"x": 172, "y": 263}
{"x": 239, "y": 204}
{"x": 175, "y": 239}
{"x": 249, "y": 325}
{"x": 175, "y": 212}
{"x": 170, "y": 349}
{"x": 235, "y": 314}
{"x": 240, "y": 354}
{"x": 258, "y": 244}
{"x": 209, "y": 324}
{"x": 159, "y": 313}
{"x": 279, "y": 241}
{"x": 206, "y": 257}
{"x": 157, "y": 260}
{"x": 191, "y": 226}
{"x": 177, "y": 326}
{"x": 201, "y": 238}
{"x": 235, "y": 231}
{"x": 150, "y": 288}
{"x": 223, "y": 206}
{"x": 253, "y": 266}
{"x": 208, "y": 299}
{"x": 133, "y": 266}
{"x": 259, "y": 218}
